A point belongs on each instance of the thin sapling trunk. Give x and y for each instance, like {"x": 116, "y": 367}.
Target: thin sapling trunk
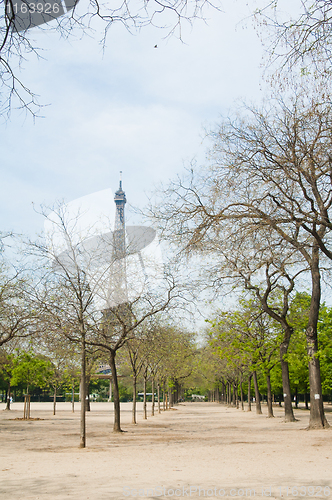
{"x": 133, "y": 419}
{"x": 269, "y": 396}
{"x": 158, "y": 395}
{"x": 54, "y": 400}
{"x": 152, "y": 408}
{"x": 116, "y": 396}
{"x": 83, "y": 393}
{"x": 249, "y": 392}
{"x": 257, "y": 396}
{"x": 144, "y": 398}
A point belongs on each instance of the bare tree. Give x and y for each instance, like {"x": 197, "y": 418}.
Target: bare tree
{"x": 63, "y": 292}
{"x": 119, "y": 324}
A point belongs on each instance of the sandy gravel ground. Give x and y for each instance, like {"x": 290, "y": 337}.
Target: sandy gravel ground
{"x": 197, "y": 450}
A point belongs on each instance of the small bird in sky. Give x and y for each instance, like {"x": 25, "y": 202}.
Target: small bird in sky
{"x": 156, "y": 46}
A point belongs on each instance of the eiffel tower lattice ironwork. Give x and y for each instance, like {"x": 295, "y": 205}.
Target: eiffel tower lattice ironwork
{"x": 118, "y": 293}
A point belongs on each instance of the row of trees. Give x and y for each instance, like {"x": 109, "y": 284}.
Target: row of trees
{"x": 259, "y": 216}
{"x": 66, "y": 306}
{"x": 148, "y": 360}
{"x": 246, "y": 343}
{"x": 239, "y": 343}
{"x": 242, "y": 344}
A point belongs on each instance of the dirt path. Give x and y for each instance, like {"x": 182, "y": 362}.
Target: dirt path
{"x": 198, "y": 450}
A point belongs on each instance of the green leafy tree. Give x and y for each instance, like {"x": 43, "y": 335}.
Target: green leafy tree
{"x": 31, "y": 371}
{"x": 325, "y": 347}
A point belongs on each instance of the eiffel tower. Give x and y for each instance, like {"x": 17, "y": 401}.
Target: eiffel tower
{"x": 118, "y": 293}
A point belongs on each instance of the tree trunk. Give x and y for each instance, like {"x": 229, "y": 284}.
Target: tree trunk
{"x": 83, "y": 393}
{"x": 73, "y": 397}
{"x": 87, "y": 396}
{"x": 163, "y": 396}
{"x": 223, "y": 396}
{"x": 306, "y": 402}
{"x": 269, "y": 396}
{"x": 26, "y": 409}
{"x": 257, "y": 396}
{"x": 116, "y": 396}
{"x": 176, "y": 393}
{"x": 170, "y": 402}
{"x": 133, "y": 419}
{"x": 249, "y": 392}
{"x": 152, "y": 408}
{"x": 54, "y": 400}
{"x": 317, "y": 417}
{"x": 87, "y": 402}
{"x": 144, "y": 398}
{"x": 241, "y": 391}
{"x": 158, "y": 395}
{"x": 8, "y": 396}
{"x": 289, "y": 415}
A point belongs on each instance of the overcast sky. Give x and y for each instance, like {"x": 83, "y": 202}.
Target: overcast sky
{"x": 135, "y": 108}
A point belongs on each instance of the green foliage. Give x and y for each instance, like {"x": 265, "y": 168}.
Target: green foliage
{"x": 100, "y": 387}
{"x": 246, "y": 339}
{"x": 325, "y": 347}
{"x": 31, "y": 371}
{"x": 125, "y": 393}
{"x": 297, "y": 355}
{"x": 243, "y": 340}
